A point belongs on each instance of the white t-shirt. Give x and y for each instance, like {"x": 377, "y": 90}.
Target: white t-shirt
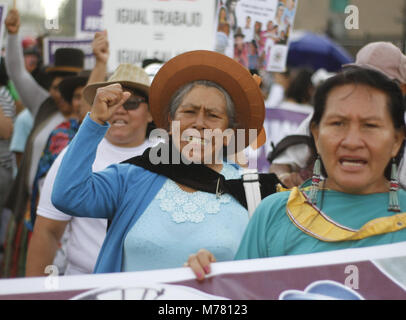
{"x": 297, "y": 155}
{"x": 85, "y": 236}
{"x": 39, "y": 144}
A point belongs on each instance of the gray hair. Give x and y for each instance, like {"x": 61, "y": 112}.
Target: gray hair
{"x": 181, "y": 93}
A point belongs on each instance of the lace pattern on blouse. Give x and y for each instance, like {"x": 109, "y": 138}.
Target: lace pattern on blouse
{"x": 193, "y": 206}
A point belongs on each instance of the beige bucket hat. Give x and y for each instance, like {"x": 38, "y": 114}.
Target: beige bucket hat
{"x": 128, "y": 75}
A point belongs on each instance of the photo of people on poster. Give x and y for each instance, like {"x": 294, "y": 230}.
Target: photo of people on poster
{"x": 255, "y": 32}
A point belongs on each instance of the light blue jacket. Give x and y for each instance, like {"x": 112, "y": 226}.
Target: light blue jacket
{"x": 80, "y": 192}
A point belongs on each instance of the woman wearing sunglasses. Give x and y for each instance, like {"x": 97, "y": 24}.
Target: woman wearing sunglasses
{"x": 127, "y": 136}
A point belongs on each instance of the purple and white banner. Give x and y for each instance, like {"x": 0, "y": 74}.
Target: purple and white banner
{"x": 89, "y": 18}
{"x": 52, "y": 44}
{"x": 373, "y": 273}
{"x": 278, "y": 123}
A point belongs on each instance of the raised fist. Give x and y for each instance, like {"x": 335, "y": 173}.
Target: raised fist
{"x": 100, "y": 46}
{"x": 106, "y": 102}
{"x": 12, "y": 21}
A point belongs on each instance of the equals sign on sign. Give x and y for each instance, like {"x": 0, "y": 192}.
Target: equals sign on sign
{"x": 159, "y": 36}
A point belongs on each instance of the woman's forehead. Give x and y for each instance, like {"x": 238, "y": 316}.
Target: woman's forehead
{"x": 356, "y": 92}
{"x": 209, "y": 97}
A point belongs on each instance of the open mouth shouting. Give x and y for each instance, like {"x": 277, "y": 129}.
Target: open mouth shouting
{"x": 118, "y": 123}
{"x": 351, "y": 163}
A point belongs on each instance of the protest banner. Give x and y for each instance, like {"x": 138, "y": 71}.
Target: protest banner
{"x": 255, "y": 32}
{"x": 89, "y": 17}
{"x": 52, "y": 44}
{"x": 146, "y": 29}
{"x": 371, "y": 273}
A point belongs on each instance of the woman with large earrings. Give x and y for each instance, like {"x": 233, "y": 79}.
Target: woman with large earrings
{"x": 353, "y": 199}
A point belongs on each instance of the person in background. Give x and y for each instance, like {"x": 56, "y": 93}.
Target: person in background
{"x": 223, "y": 31}
{"x": 240, "y": 48}
{"x": 298, "y": 91}
{"x": 289, "y": 12}
{"x": 22, "y": 128}
{"x": 248, "y": 29}
{"x": 279, "y": 13}
{"x": 7, "y": 117}
{"x": 71, "y": 90}
{"x": 48, "y": 110}
{"x": 151, "y": 67}
{"x": 24, "y": 120}
{"x": 231, "y": 6}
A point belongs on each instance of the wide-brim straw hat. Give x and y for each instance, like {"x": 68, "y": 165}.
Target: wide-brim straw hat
{"x": 128, "y": 75}
{"x": 220, "y": 69}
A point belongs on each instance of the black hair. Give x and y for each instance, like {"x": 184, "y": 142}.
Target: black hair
{"x": 61, "y": 74}
{"x": 147, "y": 62}
{"x": 3, "y": 73}
{"x": 300, "y": 85}
{"x": 366, "y": 77}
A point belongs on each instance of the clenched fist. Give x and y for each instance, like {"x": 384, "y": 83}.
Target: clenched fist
{"x": 12, "y": 21}
{"x": 106, "y": 102}
{"x": 100, "y": 46}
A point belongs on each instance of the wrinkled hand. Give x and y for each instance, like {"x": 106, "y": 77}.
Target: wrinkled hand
{"x": 106, "y": 102}
{"x": 100, "y": 46}
{"x": 12, "y": 21}
{"x": 290, "y": 180}
{"x": 200, "y": 263}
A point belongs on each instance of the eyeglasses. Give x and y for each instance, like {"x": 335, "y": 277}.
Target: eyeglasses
{"x": 133, "y": 103}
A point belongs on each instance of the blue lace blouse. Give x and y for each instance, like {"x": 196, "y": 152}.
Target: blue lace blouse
{"x": 178, "y": 223}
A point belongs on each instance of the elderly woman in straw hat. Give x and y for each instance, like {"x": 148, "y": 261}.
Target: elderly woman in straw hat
{"x": 160, "y": 212}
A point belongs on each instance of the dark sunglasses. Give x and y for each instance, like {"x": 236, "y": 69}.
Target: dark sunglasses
{"x": 133, "y": 103}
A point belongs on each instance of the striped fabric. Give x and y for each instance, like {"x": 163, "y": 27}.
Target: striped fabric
{"x": 8, "y": 107}
{"x": 7, "y": 103}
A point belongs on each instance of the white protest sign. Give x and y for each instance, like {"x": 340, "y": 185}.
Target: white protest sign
{"x": 146, "y": 29}
{"x": 3, "y": 13}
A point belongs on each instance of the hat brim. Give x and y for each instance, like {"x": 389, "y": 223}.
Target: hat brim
{"x": 63, "y": 69}
{"x": 68, "y": 85}
{"x": 218, "y": 68}
{"x": 90, "y": 91}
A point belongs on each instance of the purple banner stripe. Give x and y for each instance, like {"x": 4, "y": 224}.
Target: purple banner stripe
{"x": 283, "y": 114}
